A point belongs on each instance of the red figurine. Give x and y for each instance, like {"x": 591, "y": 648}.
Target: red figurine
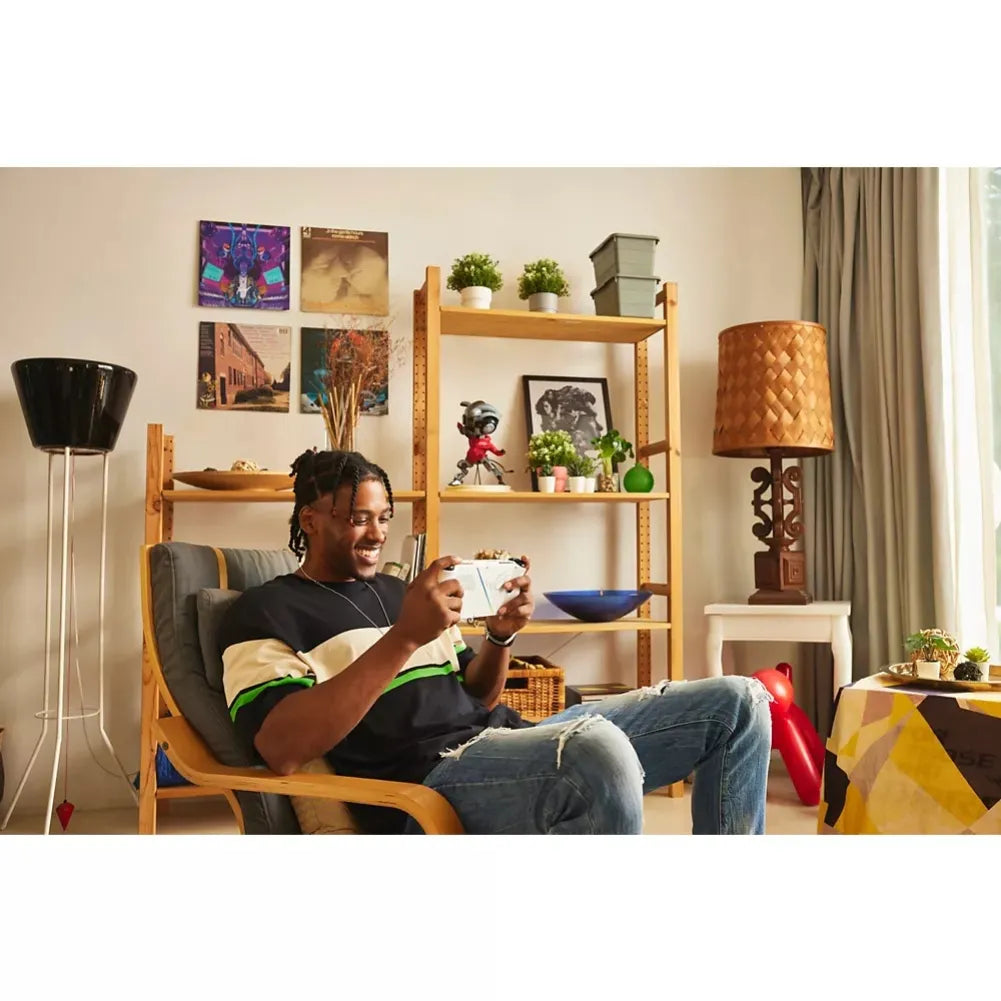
{"x": 793, "y": 735}
{"x": 479, "y": 419}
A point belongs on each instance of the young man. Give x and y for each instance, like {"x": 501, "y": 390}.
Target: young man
{"x": 341, "y": 661}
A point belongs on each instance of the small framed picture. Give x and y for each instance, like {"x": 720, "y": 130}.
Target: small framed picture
{"x": 575, "y": 404}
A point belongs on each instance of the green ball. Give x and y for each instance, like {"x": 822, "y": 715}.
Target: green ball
{"x": 638, "y": 480}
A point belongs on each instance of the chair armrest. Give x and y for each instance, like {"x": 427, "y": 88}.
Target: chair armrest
{"x": 191, "y": 757}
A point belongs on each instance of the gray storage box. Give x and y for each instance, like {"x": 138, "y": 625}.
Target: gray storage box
{"x": 626, "y": 295}
{"x": 623, "y": 254}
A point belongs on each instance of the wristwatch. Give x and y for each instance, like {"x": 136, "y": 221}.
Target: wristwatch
{"x": 496, "y": 640}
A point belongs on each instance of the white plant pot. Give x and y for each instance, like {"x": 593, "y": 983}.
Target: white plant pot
{"x": 577, "y": 484}
{"x": 547, "y": 484}
{"x": 543, "y": 302}
{"x": 928, "y": 669}
{"x": 476, "y": 297}
{"x": 590, "y": 484}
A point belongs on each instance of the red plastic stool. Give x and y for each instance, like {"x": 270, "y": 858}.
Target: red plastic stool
{"x": 793, "y": 735}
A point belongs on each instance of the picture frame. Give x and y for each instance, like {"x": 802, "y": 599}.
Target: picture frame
{"x": 572, "y": 403}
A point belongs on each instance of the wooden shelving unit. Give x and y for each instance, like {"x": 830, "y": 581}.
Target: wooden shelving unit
{"x": 432, "y": 322}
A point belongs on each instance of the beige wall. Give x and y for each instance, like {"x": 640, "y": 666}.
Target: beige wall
{"x": 102, "y": 264}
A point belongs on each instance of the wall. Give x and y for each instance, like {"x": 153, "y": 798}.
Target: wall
{"x": 102, "y": 264}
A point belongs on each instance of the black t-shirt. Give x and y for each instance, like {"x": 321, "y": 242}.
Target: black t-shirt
{"x": 291, "y": 632}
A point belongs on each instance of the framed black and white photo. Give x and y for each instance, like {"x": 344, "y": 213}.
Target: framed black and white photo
{"x": 575, "y": 404}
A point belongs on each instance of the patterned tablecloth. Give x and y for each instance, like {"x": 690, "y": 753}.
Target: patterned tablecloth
{"x": 906, "y": 759}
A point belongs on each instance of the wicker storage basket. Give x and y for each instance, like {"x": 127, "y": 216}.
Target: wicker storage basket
{"x": 535, "y": 687}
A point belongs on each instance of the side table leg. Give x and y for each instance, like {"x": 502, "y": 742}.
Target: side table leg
{"x": 714, "y": 648}
{"x": 841, "y": 647}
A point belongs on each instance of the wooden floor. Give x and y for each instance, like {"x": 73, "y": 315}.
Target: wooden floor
{"x": 786, "y": 815}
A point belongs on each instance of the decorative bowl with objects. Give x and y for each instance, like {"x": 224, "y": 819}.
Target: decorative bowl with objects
{"x": 245, "y": 474}
{"x": 597, "y": 606}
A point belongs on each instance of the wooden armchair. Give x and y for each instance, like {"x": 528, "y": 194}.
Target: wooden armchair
{"x": 185, "y": 589}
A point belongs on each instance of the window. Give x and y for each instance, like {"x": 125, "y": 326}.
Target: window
{"x": 992, "y": 207}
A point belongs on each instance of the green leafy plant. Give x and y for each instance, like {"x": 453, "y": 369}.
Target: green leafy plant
{"x": 474, "y": 269}
{"x": 978, "y": 655}
{"x": 612, "y": 448}
{"x": 550, "y": 448}
{"x": 543, "y": 275}
{"x": 580, "y": 465}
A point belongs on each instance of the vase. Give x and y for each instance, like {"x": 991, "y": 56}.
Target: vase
{"x": 608, "y": 483}
{"x": 638, "y": 480}
{"x": 590, "y": 484}
{"x": 543, "y": 302}
{"x": 547, "y": 484}
{"x": 577, "y": 484}
{"x": 561, "y": 475}
{"x": 475, "y": 297}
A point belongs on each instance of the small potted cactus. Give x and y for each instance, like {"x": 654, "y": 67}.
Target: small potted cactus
{"x": 934, "y": 653}
{"x": 580, "y": 474}
{"x": 975, "y": 667}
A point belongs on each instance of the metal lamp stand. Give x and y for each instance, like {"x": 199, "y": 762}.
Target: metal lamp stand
{"x": 59, "y": 712}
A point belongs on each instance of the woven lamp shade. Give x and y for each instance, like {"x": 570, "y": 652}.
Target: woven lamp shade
{"x": 774, "y": 390}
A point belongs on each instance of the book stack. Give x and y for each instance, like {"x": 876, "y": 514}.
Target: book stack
{"x": 576, "y": 694}
{"x": 413, "y": 555}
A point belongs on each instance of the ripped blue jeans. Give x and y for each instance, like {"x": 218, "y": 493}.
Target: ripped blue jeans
{"x": 585, "y": 770}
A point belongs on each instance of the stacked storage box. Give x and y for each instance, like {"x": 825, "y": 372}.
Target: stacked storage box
{"x": 625, "y": 284}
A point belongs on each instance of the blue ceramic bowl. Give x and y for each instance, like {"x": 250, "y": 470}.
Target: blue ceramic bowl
{"x": 597, "y": 606}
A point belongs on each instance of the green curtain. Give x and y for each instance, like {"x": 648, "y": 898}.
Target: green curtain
{"x": 869, "y": 237}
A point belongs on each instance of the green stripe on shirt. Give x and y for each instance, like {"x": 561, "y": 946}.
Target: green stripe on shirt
{"x": 421, "y": 672}
{"x": 251, "y": 693}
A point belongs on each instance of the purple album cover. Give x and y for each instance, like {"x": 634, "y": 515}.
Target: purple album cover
{"x": 244, "y": 265}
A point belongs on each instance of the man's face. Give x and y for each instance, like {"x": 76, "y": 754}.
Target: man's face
{"x": 348, "y": 541}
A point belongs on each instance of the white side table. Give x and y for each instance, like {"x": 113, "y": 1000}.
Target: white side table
{"x": 818, "y": 622}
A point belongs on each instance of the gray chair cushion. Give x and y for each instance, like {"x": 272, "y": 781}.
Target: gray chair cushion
{"x": 178, "y": 571}
{"x": 212, "y": 604}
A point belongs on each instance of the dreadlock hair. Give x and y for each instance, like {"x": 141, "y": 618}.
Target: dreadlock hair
{"x": 318, "y": 473}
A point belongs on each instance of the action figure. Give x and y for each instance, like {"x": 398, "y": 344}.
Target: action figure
{"x": 478, "y": 420}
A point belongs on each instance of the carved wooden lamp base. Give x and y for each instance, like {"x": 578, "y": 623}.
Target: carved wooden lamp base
{"x": 780, "y": 578}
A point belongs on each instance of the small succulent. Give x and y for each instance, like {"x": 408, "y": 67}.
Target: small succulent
{"x": 977, "y": 654}
{"x": 580, "y": 465}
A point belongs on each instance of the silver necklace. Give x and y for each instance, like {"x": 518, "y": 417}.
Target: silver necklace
{"x": 363, "y": 614}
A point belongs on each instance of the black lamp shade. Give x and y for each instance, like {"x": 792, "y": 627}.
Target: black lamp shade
{"x": 72, "y": 403}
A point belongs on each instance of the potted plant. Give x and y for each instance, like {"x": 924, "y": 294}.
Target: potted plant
{"x": 475, "y": 277}
{"x": 542, "y": 283}
{"x": 580, "y": 470}
{"x": 548, "y": 455}
{"x": 612, "y": 448}
{"x": 976, "y": 666}
{"x": 934, "y": 653}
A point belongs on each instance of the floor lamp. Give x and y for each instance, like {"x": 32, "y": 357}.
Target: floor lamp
{"x": 72, "y": 407}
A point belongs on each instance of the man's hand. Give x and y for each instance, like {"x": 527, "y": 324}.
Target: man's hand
{"x": 430, "y": 606}
{"x": 513, "y": 616}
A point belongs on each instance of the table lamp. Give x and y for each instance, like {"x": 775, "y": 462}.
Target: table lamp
{"x": 72, "y": 407}
{"x": 773, "y": 401}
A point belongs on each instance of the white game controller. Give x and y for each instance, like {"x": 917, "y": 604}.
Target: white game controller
{"x": 483, "y": 585}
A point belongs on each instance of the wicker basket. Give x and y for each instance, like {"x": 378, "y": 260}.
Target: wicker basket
{"x": 535, "y": 687}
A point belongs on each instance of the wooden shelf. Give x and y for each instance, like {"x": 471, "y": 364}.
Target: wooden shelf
{"x": 460, "y": 321}
{"x": 531, "y": 497}
{"x": 573, "y": 626}
{"x": 194, "y": 495}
